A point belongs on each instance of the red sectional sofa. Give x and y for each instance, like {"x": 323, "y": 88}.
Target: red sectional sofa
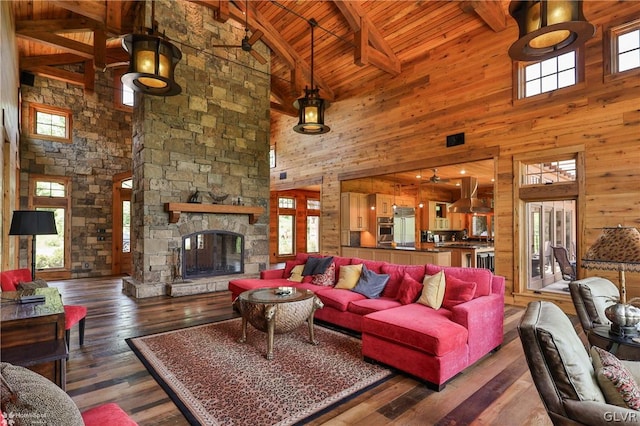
{"x": 432, "y": 345}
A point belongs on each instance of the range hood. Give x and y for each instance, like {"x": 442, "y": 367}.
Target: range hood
{"x": 469, "y": 202}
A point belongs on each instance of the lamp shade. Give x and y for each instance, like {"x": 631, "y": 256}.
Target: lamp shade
{"x": 33, "y": 222}
{"x": 152, "y": 62}
{"x": 548, "y": 28}
{"x": 616, "y": 249}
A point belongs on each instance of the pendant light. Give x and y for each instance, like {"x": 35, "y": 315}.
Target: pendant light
{"x": 152, "y": 62}
{"x": 311, "y": 107}
{"x": 548, "y": 28}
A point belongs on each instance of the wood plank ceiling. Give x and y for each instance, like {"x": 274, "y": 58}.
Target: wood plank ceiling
{"x": 358, "y": 44}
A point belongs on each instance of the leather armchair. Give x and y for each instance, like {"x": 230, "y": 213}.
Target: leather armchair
{"x": 562, "y": 371}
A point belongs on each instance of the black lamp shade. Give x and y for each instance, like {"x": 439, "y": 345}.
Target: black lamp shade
{"x": 152, "y": 62}
{"x": 548, "y": 28}
{"x": 311, "y": 114}
{"x": 33, "y": 222}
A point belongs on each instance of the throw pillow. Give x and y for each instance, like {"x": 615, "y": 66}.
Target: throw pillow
{"x": 327, "y": 278}
{"x": 289, "y": 265}
{"x": 433, "y": 290}
{"x": 457, "y": 291}
{"x": 310, "y": 265}
{"x": 32, "y": 285}
{"x": 349, "y": 276}
{"x": 409, "y": 290}
{"x": 371, "y": 284}
{"x": 296, "y": 274}
{"x": 616, "y": 382}
{"x": 317, "y": 265}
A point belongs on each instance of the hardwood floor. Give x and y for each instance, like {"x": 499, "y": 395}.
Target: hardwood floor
{"x": 495, "y": 391}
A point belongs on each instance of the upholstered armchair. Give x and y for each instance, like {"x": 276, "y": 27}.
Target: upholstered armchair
{"x": 73, "y": 314}
{"x": 563, "y": 372}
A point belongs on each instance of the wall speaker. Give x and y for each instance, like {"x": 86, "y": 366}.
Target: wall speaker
{"x": 455, "y": 140}
{"x": 27, "y": 79}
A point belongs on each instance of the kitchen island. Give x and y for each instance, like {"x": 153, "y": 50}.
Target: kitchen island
{"x": 468, "y": 253}
{"x": 401, "y": 256}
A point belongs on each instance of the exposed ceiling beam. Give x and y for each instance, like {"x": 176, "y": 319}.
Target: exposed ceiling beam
{"x": 370, "y": 44}
{"x": 58, "y": 25}
{"x": 58, "y": 74}
{"x": 28, "y": 62}
{"x": 493, "y": 13}
{"x": 59, "y": 42}
{"x": 94, "y": 9}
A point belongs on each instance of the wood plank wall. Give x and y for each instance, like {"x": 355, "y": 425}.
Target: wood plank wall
{"x": 466, "y": 86}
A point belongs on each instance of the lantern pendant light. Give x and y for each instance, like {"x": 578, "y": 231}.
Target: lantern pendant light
{"x": 152, "y": 62}
{"x": 548, "y": 28}
{"x": 311, "y": 107}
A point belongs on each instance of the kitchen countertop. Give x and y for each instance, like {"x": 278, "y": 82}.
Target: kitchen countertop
{"x": 425, "y": 250}
{"x": 465, "y": 244}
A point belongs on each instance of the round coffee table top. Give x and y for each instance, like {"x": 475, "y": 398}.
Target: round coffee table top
{"x": 276, "y": 295}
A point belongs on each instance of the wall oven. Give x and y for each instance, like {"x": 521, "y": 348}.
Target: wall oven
{"x": 384, "y": 231}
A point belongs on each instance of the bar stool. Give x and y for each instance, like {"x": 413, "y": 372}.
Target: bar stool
{"x": 491, "y": 261}
{"x": 482, "y": 260}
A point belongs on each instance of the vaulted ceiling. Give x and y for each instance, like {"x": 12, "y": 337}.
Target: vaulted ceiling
{"x": 357, "y": 44}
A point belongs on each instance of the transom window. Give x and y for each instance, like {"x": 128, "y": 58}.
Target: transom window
{"x": 49, "y": 122}
{"x": 286, "y": 203}
{"x": 49, "y": 189}
{"x": 627, "y": 48}
{"x": 551, "y": 74}
{"x": 549, "y": 172}
{"x": 313, "y": 204}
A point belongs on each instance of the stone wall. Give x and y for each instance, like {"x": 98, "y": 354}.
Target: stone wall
{"x": 100, "y": 148}
{"x": 213, "y": 137}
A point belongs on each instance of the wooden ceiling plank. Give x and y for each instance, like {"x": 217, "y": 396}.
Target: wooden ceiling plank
{"x": 491, "y": 12}
{"x": 113, "y": 20}
{"x": 58, "y": 25}
{"x": 59, "y": 42}
{"x": 58, "y": 74}
{"x": 28, "y": 62}
{"x": 94, "y": 9}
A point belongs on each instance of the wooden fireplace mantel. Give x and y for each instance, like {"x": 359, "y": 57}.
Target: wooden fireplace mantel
{"x": 175, "y": 209}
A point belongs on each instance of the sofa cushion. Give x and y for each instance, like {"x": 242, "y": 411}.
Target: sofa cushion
{"x": 349, "y": 276}
{"x": 457, "y": 291}
{"x": 371, "y": 284}
{"x": 419, "y": 327}
{"x": 396, "y": 274}
{"x": 372, "y": 265}
{"x": 338, "y": 298}
{"x": 340, "y": 261}
{"x": 301, "y": 258}
{"x": 326, "y": 278}
{"x": 616, "y": 382}
{"x": 317, "y": 265}
{"x": 244, "y": 284}
{"x": 296, "y": 274}
{"x": 433, "y": 290}
{"x": 409, "y": 290}
{"x": 367, "y": 306}
{"x": 482, "y": 277}
{"x": 289, "y": 265}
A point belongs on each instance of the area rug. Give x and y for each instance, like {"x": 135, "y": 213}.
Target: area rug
{"x": 215, "y": 380}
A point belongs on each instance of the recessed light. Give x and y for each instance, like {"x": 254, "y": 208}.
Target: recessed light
{"x": 463, "y": 171}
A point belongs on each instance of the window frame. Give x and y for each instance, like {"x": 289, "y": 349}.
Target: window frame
{"x": 54, "y": 202}
{"x": 519, "y": 80}
{"x": 610, "y": 48}
{"x": 34, "y": 108}
{"x": 289, "y": 212}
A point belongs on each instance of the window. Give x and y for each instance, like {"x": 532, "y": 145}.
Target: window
{"x": 50, "y": 123}
{"x": 52, "y": 193}
{"x": 286, "y": 226}
{"x": 272, "y": 156}
{"x": 313, "y": 225}
{"x": 123, "y": 95}
{"x": 551, "y": 74}
{"x": 624, "y": 41}
{"x": 549, "y": 172}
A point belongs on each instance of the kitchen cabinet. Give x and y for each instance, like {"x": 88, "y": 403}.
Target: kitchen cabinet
{"x": 400, "y": 257}
{"x": 456, "y": 221}
{"x": 383, "y": 203}
{"x": 437, "y": 219}
{"x": 405, "y": 202}
{"x": 354, "y": 212}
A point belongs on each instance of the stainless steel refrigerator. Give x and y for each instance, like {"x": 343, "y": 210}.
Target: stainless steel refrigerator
{"x": 404, "y": 227}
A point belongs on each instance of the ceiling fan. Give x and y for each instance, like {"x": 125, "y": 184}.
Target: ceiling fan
{"x": 437, "y": 179}
{"x": 247, "y": 42}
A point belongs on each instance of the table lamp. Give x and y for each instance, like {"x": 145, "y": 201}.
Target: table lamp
{"x": 618, "y": 249}
{"x": 33, "y": 222}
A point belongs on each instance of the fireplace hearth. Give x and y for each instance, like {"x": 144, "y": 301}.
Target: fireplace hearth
{"x": 212, "y": 253}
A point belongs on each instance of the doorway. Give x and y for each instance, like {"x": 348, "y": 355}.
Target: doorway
{"x": 121, "y": 245}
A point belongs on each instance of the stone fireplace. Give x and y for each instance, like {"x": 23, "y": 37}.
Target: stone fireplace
{"x": 212, "y": 138}
{"x": 212, "y": 253}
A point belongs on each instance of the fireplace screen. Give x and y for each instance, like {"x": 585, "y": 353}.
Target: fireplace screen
{"x": 212, "y": 253}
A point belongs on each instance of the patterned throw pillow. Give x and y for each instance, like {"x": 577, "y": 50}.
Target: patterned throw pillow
{"x": 327, "y": 278}
{"x": 31, "y": 285}
{"x": 616, "y": 382}
{"x": 296, "y": 274}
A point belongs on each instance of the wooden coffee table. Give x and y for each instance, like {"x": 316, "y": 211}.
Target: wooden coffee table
{"x": 276, "y": 311}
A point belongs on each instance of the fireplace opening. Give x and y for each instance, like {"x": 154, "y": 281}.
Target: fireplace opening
{"x": 211, "y": 253}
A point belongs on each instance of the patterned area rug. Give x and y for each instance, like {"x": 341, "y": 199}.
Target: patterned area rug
{"x": 215, "y": 380}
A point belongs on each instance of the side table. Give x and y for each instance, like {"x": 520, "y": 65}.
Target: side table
{"x": 622, "y": 347}
{"x": 33, "y": 333}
